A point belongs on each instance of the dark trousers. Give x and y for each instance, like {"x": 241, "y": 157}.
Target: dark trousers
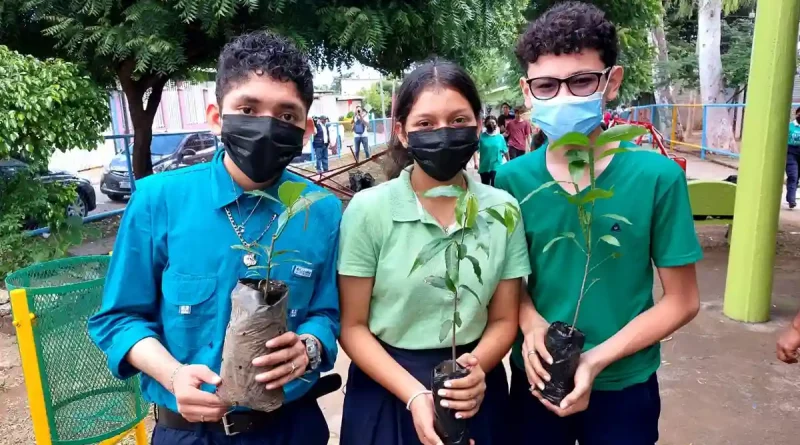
{"x": 514, "y": 152}
{"x": 488, "y": 177}
{"x": 296, "y": 423}
{"x": 321, "y": 155}
{"x": 362, "y": 141}
{"x": 625, "y": 417}
{"x": 792, "y": 162}
{"x": 373, "y": 416}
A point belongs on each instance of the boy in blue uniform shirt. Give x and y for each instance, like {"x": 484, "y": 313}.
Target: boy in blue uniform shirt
{"x": 793, "y": 160}
{"x": 167, "y": 295}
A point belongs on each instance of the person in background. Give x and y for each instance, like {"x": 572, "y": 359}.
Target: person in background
{"x": 503, "y": 118}
{"x": 491, "y": 151}
{"x": 519, "y": 134}
{"x": 793, "y": 160}
{"x": 361, "y": 129}
{"x": 321, "y": 144}
{"x": 167, "y": 297}
{"x": 569, "y": 55}
{"x": 391, "y": 320}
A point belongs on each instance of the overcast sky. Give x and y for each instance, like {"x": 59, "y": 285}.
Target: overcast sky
{"x": 325, "y": 77}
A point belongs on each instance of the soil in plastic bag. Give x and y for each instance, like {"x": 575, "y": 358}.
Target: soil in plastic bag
{"x": 452, "y": 431}
{"x": 565, "y": 348}
{"x": 255, "y": 319}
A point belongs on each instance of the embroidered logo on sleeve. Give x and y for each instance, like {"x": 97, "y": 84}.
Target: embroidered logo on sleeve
{"x": 185, "y": 310}
{"x": 300, "y": 271}
{"x": 616, "y": 228}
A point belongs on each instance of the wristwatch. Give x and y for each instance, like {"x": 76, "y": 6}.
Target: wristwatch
{"x": 313, "y": 352}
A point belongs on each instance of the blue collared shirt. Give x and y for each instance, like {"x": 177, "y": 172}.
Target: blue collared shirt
{"x": 173, "y": 270}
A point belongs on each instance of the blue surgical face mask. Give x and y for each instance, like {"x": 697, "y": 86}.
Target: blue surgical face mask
{"x": 566, "y": 114}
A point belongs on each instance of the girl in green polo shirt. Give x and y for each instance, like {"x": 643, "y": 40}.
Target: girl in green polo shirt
{"x": 390, "y": 319}
{"x": 491, "y": 149}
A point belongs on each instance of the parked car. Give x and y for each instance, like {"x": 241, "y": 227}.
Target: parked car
{"x": 167, "y": 152}
{"x": 84, "y": 203}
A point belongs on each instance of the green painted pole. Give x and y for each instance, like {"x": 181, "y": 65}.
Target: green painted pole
{"x": 748, "y": 289}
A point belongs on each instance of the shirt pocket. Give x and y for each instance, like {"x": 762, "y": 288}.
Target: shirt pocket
{"x": 189, "y": 312}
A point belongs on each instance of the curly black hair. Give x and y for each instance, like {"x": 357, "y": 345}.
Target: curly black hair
{"x": 262, "y": 53}
{"x": 569, "y": 28}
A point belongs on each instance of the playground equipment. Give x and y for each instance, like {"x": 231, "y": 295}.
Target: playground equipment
{"x": 326, "y": 179}
{"x": 73, "y": 397}
{"x": 655, "y": 138}
{"x": 712, "y": 202}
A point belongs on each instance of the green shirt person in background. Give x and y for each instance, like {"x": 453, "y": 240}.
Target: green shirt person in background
{"x": 570, "y": 57}
{"x": 793, "y": 160}
{"x": 492, "y": 149}
{"x": 391, "y": 320}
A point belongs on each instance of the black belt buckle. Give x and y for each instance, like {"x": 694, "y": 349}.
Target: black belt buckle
{"x": 227, "y": 424}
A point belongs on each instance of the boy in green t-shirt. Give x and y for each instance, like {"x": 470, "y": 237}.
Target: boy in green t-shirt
{"x": 570, "y": 58}
{"x": 793, "y": 160}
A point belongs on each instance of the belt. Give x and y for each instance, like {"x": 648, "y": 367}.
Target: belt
{"x": 232, "y": 423}
{"x": 237, "y": 422}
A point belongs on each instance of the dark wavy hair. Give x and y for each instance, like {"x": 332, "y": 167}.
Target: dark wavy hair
{"x": 431, "y": 74}
{"x": 262, "y": 53}
{"x": 569, "y": 28}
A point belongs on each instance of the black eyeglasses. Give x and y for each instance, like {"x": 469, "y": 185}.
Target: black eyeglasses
{"x": 581, "y": 84}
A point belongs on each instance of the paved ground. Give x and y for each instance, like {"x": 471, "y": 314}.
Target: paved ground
{"x": 720, "y": 381}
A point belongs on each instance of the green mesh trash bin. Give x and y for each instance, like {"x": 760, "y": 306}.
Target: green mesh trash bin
{"x": 77, "y": 401}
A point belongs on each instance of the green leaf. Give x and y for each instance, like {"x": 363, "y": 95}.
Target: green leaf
{"x": 610, "y": 239}
{"x": 451, "y": 262}
{"x": 467, "y": 289}
{"x": 444, "y": 331}
{"x": 574, "y": 139}
{"x": 451, "y": 286}
{"x": 496, "y": 215}
{"x": 476, "y": 267}
{"x": 457, "y": 318}
{"x": 577, "y": 155}
{"x": 461, "y": 208}
{"x": 263, "y": 194}
{"x": 510, "y": 222}
{"x": 576, "y": 170}
{"x": 428, "y": 252}
{"x": 546, "y": 185}
{"x": 472, "y": 210}
{"x": 437, "y": 282}
{"x": 462, "y": 251}
{"x": 552, "y": 241}
{"x": 289, "y": 192}
{"x": 283, "y": 252}
{"x": 481, "y": 232}
{"x": 446, "y": 191}
{"x": 612, "y": 151}
{"x": 246, "y": 249}
{"x": 620, "y": 133}
{"x": 296, "y": 260}
{"x": 594, "y": 195}
{"x": 617, "y": 218}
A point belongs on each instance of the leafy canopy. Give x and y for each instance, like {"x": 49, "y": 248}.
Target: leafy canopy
{"x": 46, "y": 106}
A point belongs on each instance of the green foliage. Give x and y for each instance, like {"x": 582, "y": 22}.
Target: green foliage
{"x": 472, "y": 223}
{"x": 372, "y": 97}
{"x": 294, "y": 202}
{"x": 46, "y": 106}
{"x": 736, "y": 44}
{"x": 581, "y": 158}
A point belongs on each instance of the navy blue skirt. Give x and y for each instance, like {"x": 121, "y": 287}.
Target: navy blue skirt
{"x": 374, "y": 416}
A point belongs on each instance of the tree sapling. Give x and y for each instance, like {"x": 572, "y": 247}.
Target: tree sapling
{"x": 564, "y": 341}
{"x": 258, "y": 308}
{"x": 473, "y": 224}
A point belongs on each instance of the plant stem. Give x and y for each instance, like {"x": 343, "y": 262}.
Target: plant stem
{"x": 269, "y": 258}
{"x": 588, "y": 239}
{"x": 455, "y": 300}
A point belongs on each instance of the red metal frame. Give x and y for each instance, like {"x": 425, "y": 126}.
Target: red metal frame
{"x": 320, "y": 179}
{"x": 657, "y": 138}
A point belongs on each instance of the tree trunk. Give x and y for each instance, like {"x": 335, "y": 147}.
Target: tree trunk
{"x": 689, "y": 128}
{"x": 664, "y": 92}
{"x": 719, "y": 131}
{"x": 143, "y": 109}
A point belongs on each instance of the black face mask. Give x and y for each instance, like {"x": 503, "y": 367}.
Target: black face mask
{"x": 444, "y": 152}
{"x": 261, "y": 147}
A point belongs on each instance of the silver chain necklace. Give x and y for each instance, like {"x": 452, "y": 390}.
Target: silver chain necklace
{"x": 249, "y": 258}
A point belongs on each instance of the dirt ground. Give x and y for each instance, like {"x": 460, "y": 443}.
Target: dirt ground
{"x": 720, "y": 381}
